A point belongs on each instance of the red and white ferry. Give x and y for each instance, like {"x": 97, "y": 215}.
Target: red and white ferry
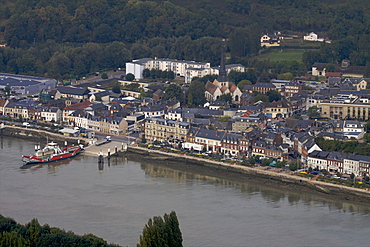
{"x": 52, "y": 152}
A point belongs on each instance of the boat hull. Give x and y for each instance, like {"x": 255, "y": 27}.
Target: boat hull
{"x": 30, "y": 160}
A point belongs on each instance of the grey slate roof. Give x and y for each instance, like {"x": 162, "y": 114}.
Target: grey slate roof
{"x": 73, "y": 90}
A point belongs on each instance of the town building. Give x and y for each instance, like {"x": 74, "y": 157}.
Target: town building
{"x": 164, "y": 130}
{"x": 21, "y": 84}
{"x": 222, "y": 86}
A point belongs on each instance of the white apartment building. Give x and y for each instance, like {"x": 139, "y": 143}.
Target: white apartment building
{"x": 136, "y": 67}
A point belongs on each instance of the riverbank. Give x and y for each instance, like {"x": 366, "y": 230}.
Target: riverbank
{"x": 267, "y": 177}
{"x": 41, "y": 136}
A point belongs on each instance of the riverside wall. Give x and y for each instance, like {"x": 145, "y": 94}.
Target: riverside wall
{"x": 38, "y": 135}
{"x": 265, "y": 176}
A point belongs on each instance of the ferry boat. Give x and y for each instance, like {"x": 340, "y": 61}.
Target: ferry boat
{"x": 52, "y": 152}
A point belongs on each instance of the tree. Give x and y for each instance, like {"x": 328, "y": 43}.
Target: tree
{"x": 266, "y": 162}
{"x": 146, "y": 73}
{"x": 130, "y": 77}
{"x": 367, "y": 71}
{"x": 242, "y": 83}
{"x": 12, "y": 239}
{"x": 273, "y": 95}
{"x": 224, "y": 119}
{"x": 104, "y": 76}
{"x": 367, "y": 137}
{"x": 261, "y": 97}
{"x": 313, "y": 112}
{"x": 330, "y": 68}
{"x": 161, "y": 232}
{"x": 173, "y": 91}
{"x": 226, "y": 97}
{"x": 285, "y": 76}
{"x": 280, "y": 164}
{"x": 133, "y": 86}
{"x": 7, "y": 90}
{"x": 190, "y": 99}
{"x": 293, "y": 166}
{"x": 116, "y": 88}
{"x": 196, "y": 89}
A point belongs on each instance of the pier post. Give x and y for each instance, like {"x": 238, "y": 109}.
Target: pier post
{"x": 108, "y": 153}
{"x": 115, "y": 150}
{"x": 101, "y": 158}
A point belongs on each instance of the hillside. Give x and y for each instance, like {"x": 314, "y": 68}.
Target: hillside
{"x": 64, "y": 38}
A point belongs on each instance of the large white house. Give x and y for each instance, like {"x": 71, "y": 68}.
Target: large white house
{"x": 313, "y": 37}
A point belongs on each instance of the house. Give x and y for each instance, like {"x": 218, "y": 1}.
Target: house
{"x": 18, "y": 109}
{"x": 281, "y": 108}
{"x": 259, "y": 148}
{"x": 349, "y": 128}
{"x": 73, "y": 92}
{"x": 201, "y": 72}
{"x": 347, "y": 70}
{"x": 231, "y": 144}
{"x": 51, "y": 114}
{"x": 131, "y": 93}
{"x": 66, "y": 118}
{"x": 335, "y": 162}
{"x": 157, "y": 95}
{"x": 269, "y": 40}
{"x": 279, "y": 84}
{"x": 103, "y": 96}
{"x": 241, "y": 124}
{"x": 359, "y": 83}
{"x": 175, "y": 114}
{"x": 263, "y": 87}
{"x": 318, "y": 159}
{"x": 165, "y": 130}
{"x": 307, "y": 148}
{"x": 292, "y": 88}
{"x": 313, "y": 37}
{"x": 3, "y": 103}
{"x": 211, "y": 139}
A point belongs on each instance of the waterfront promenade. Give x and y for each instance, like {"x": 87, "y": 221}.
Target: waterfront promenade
{"x": 323, "y": 186}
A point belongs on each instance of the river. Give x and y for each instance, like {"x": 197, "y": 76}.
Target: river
{"x": 115, "y": 202}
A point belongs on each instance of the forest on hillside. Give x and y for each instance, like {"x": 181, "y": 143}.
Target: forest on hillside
{"x": 65, "y": 39}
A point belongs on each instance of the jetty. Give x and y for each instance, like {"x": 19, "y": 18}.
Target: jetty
{"x": 106, "y": 149}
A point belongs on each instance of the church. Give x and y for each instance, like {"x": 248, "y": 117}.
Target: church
{"x": 221, "y": 86}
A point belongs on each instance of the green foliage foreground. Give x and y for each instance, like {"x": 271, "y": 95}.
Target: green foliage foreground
{"x": 162, "y": 232}
{"x": 33, "y": 234}
{"x": 343, "y": 146}
{"x": 158, "y": 232}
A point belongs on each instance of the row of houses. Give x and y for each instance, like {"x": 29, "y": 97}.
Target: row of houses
{"x": 344, "y": 163}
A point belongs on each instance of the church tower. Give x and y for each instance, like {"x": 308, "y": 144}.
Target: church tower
{"x": 222, "y": 76}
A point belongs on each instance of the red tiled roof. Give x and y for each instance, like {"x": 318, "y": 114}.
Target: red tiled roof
{"x": 79, "y": 106}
